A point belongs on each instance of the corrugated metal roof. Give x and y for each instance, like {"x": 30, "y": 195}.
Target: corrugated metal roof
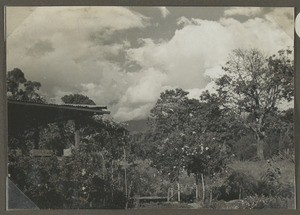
{"x": 22, "y": 115}
{"x": 79, "y": 107}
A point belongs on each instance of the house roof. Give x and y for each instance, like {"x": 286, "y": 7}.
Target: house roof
{"x": 96, "y": 109}
{"x": 28, "y": 114}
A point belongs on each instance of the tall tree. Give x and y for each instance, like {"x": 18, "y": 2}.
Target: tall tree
{"x": 169, "y": 120}
{"x": 207, "y": 155}
{"x": 254, "y": 86}
{"x": 19, "y": 88}
{"x": 172, "y": 123}
{"x": 187, "y": 134}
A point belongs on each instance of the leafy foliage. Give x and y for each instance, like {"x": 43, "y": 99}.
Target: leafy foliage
{"x": 237, "y": 185}
{"x": 77, "y": 99}
{"x": 255, "y": 85}
{"x": 19, "y": 88}
{"x": 263, "y": 202}
{"x": 187, "y": 138}
{"x": 38, "y": 178}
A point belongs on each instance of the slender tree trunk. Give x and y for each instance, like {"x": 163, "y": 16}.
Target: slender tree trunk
{"x": 197, "y": 187}
{"x": 119, "y": 180}
{"x": 112, "y": 180}
{"x": 125, "y": 176}
{"x": 203, "y": 187}
{"x": 259, "y": 139}
{"x": 210, "y": 195}
{"x": 197, "y": 192}
{"x": 178, "y": 191}
{"x": 260, "y": 147}
{"x": 240, "y": 193}
{"x": 128, "y": 198}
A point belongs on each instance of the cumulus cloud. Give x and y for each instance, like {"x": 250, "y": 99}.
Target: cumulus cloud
{"x": 164, "y": 11}
{"x": 195, "y": 93}
{"x": 183, "y": 21}
{"x": 243, "y": 11}
{"x": 79, "y": 57}
{"x": 283, "y": 18}
{"x": 214, "y": 72}
{"x": 66, "y": 35}
{"x": 129, "y": 113}
{"x": 146, "y": 88}
{"x": 141, "y": 95}
{"x": 204, "y": 45}
{"x": 195, "y": 54}
{"x": 40, "y": 48}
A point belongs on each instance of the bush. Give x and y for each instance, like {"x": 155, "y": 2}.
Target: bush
{"x": 270, "y": 189}
{"x": 188, "y": 197}
{"x": 237, "y": 185}
{"x": 270, "y": 185}
{"x": 263, "y": 202}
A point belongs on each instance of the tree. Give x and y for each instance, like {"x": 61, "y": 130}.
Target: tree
{"x": 19, "y": 88}
{"x": 38, "y": 178}
{"x": 77, "y": 99}
{"x": 169, "y": 120}
{"x": 207, "y": 156}
{"x": 92, "y": 175}
{"x": 14, "y": 79}
{"x": 89, "y": 178}
{"x": 187, "y": 135}
{"x": 254, "y": 86}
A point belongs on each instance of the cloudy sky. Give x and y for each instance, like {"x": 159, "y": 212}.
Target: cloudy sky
{"x": 123, "y": 57}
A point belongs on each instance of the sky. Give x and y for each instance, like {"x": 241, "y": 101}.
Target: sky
{"x": 124, "y": 57}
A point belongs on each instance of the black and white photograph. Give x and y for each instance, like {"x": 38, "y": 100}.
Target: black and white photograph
{"x": 150, "y": 107}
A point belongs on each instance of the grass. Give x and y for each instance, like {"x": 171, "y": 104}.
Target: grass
{"x": 258, "y": 168}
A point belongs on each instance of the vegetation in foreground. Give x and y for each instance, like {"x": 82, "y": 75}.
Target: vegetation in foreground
{"x": 229, "y": 149}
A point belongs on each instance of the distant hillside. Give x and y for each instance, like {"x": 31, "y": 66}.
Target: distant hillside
{"x": 136, "y": 126}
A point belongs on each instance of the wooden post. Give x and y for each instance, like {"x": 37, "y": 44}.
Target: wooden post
{"x": 77, "y": 133}
{"x": 103, "y": 164}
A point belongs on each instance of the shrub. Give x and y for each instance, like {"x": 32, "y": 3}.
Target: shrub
{"x": 270, "y": 189}
{"x": 270, "y": 185}
{"x": 237, "y": 185}
{"x": 264, "y": 202}
{"x": 188, "y": 197}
